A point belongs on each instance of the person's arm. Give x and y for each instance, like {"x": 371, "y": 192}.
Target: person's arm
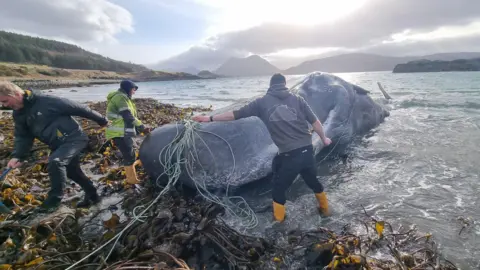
{"x": 317, "y": 126}
{"x": 68, "y": 107}
{"x": 228, "y": 116}
{"x": 251, "y": 109}
{"x": 313, "y": 120}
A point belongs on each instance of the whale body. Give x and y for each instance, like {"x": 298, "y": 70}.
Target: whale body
{"x": 230, "y": 154}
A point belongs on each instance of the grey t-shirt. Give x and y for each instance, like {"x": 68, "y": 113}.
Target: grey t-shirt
{"x": 286, "y": 116}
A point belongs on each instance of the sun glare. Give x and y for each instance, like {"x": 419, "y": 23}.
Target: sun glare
{"x": 308, "y": 12}
{"x": 243, "y": 14}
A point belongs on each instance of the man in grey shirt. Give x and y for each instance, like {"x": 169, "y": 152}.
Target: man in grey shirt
{"x": 286, "y": 117}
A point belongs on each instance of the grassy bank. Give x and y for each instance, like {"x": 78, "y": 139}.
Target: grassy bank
{"x": 45, "y": 77}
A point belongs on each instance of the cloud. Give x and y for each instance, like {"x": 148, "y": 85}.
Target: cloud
{"x": 377, "y": 20}
{"x": 378, "y": 26}
{"x": 201, "y": 57}
{"x": 425, "y": 47}
{"x": 76, "y": 20}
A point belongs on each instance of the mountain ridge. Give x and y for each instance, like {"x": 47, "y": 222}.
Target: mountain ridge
{"x": 255, "y": 65}
{"x": 367, "y": 62}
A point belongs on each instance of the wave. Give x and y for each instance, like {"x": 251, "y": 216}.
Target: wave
{"x": 205, "y": 98}
{"x": 402, "y": 93}
{"x": 414, "y": 103}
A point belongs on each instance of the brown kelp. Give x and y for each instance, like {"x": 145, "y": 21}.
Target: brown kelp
{"x": 181, "y": 230}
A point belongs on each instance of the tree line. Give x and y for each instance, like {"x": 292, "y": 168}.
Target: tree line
{"x": 25, "y": 49}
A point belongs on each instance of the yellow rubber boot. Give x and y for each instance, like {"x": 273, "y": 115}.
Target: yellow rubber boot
{"x": 131, "y": 175}
{"x": 278, "y": 211}
{"x": 322, "y": 203}
{"x": 137, "y": 162}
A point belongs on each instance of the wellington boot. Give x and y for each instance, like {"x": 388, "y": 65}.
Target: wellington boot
{"x": 131, "y": 175}
{"x": 89, "y": 200}
{"x": 322, "y": 203}
{"x": 50, "y": 204}
{"x": 278, "y": 211}
{"x": 137, "y": 162}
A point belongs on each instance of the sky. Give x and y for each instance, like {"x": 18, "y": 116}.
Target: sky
{"x": 205, "y": 33}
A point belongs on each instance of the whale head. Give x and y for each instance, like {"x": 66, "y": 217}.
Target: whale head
{"x": 320, "y": 89}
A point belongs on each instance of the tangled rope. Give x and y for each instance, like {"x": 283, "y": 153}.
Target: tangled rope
{"x": 183, "y": 150}
{"x": 174, "y": 159}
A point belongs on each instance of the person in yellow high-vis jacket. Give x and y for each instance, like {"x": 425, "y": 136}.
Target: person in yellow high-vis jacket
{"x": 125, "y": 125}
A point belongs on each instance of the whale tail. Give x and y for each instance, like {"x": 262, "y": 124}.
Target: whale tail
{"x": 385, "y": 94}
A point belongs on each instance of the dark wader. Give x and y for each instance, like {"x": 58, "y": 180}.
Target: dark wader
{"x": 64, "y": 162}
{"x": 286, "y": 166}
{"x": 126, "y": 145}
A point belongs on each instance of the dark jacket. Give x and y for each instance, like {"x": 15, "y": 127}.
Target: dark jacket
{"x": 49, "y": 119}
{"x": 286, "y": 116}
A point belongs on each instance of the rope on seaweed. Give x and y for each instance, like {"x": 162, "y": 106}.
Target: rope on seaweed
{"x": 174, "y": 150}
{"x": 183, "y": 150}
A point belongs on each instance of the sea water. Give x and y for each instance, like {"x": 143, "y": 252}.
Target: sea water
{"x": 421, "y": 166}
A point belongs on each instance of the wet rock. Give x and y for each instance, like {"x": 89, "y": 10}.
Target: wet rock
{"x": 299, "y": 251}
{"x": 162, "y": 266}
{"x": 319, "y": 255}
{"x": 178, "y": 227}
{"x": 180, "y": 213}
{"x": 408, "y": 260}
{"x": 172, "y": 248}
{"x": 202, "y": 224}
{"x": 165, "y": 214}
{"x": 182, "y": 237}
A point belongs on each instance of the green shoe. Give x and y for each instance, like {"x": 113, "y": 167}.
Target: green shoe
{"x": 50, "y": 204}
{"x": 89, "y": 201}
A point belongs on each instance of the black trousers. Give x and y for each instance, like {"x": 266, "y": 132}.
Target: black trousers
{"x": 286, "y": 167}
{"x": 65, "y": 162}
{"x": 126, "y": 145}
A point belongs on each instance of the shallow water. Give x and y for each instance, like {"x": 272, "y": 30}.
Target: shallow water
{"x": 421, "y": 166}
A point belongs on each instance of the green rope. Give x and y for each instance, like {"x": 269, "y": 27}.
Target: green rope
{"x": 174, "y": 151}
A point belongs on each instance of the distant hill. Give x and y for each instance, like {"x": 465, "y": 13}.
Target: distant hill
{"x": 438, "y": 66}
{"x": 190, "y": 70}
{"x": 207, "y": 74}
{"x": 250, "y": 66}
{"x": 16, "y": 48}
{"x": 363, "y": 62}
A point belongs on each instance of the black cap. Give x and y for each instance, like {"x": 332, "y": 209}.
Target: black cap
{"x": 127, "y": 85}
{"x": 277, "y": 78}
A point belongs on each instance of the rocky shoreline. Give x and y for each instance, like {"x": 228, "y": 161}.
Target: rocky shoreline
{"x": 54, "y": 84}
{"x": 43, "y": 77}
{"x": 42, "y": 84}
{"x": 137, "y": 228}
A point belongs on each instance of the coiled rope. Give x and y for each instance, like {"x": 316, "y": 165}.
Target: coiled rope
{"x": 183, "y": 150}
{"x": 175, "y": 157}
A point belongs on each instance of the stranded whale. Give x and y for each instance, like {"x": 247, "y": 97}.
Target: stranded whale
{"x": 225, "y": 155}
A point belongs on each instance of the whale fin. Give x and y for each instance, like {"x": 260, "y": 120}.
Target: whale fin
{"x": 385, "y": 94}
{"x": 360, "y": 90}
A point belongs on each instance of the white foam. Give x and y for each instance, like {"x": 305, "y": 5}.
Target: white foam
{"x": 424, "y": 185}
{"x": 447, "y": 187}
{"x": 427, "y": 215}
{"x": 459, "y": 201}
